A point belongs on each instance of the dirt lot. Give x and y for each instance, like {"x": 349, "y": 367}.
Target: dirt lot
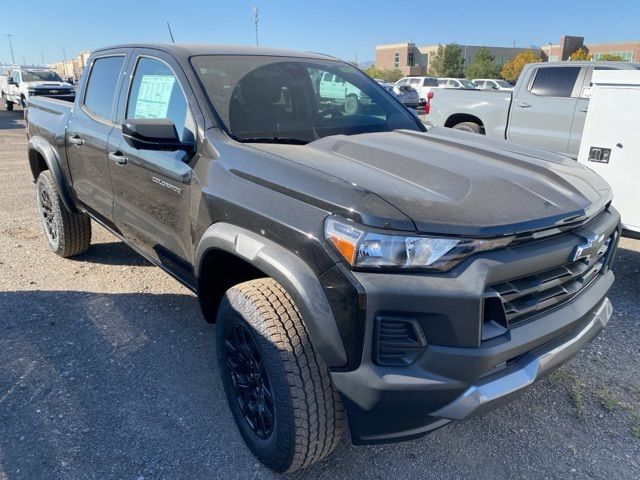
{"x": 107, "y": 370}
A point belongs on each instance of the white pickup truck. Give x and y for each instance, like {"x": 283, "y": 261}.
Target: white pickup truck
{"x": 18, "y": 84}
{"x": 546, "y": 109}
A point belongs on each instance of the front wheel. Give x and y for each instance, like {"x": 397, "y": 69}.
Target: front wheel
{"x": 351, "y": 105}
{"x": 67, "y": 233}
{"x": 7, "y": 104}
{"x": 278, "y": 388}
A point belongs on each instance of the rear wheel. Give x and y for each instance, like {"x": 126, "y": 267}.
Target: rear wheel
{"x": 469, "y": 127}
{"x": 67, "y": 233}
{"x": 278, "y": 388}
{"x": 23, "y": 102}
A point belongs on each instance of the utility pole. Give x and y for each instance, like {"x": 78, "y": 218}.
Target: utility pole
{"x": 64, "y": 55}
{"x": 8, "y": 35}
{"x": 42, "y": 57}
{"x": 170, "y": 33}
{"x": 255, "y": 19}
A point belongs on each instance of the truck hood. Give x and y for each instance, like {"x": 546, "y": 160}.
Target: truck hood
{"x": 61, "y": 85}
{"x": 451, "y": 182}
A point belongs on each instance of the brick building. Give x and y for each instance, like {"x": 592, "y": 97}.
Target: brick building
{"x": 628, "y": 51}
{"x": 413, "y": 60}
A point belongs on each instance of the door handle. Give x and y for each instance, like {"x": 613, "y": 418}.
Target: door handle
{"x": 585, "y": 109}
{"x": 118, "y": 157}
{"x": 524, "y": 105}
{"x": 76, "y": 140}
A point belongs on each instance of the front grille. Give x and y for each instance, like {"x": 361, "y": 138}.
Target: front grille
{"x": 52, "y": 91}
{"x": 527, "y": 296}
{"x": 398, "y": 341}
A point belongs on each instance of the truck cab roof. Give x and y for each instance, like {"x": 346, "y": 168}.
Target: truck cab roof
{"x": 186, "y": 50}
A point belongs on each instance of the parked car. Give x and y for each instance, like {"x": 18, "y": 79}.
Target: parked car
{"x": 334, "y": 88}
{"x": 546, "y": 109}
{"x": 18, "y": 84}
{"x": 461, "y": 83}
{"x": 352, "y": 263}
{"x": 423, "y": 85}
{"x": 493, "y": 84}
{"x": 406, "y": 94}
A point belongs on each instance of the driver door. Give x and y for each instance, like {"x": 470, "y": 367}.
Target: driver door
{"x": 151, "y": 189}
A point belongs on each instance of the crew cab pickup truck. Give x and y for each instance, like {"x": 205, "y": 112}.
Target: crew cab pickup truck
{"x": 547, "y": 108}
{"x": 22, "y": 83}
{"x": 357, "y": 267}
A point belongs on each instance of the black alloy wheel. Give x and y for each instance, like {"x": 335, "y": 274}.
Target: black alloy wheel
{"x": 250, "y": 381}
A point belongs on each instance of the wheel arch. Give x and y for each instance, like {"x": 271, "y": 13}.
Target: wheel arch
{"x": 457, "y": 118}
{"x": 42, "y": 156}
{"x": 226, "y": 246}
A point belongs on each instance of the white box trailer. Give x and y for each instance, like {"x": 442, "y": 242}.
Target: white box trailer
{"x": 611, "y": 140}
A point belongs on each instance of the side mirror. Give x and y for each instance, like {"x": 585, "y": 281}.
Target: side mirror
{"x": 11, "y": 81}
{"x": 153, "y": 134}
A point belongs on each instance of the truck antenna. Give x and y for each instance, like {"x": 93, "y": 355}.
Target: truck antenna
{"x": 170, "y": 33}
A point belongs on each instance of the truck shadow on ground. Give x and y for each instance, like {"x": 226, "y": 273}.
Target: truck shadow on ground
{"x": 112, "y": 253}
{"x": 11, "y": 120}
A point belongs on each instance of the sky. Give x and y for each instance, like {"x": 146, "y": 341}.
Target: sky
{"x": 347, "y": 29}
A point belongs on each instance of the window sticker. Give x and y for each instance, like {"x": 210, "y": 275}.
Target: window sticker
{"x": 153, "y": 96}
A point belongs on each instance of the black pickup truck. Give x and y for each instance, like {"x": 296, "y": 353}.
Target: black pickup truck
{"x": 362, "y": 272}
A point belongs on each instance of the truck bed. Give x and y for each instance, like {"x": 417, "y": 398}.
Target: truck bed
{"x": 48, "y": 117}
{"x": 449, "y": 107}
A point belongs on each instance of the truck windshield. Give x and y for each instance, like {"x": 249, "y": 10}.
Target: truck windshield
{"x": 296, "y": 100}
{"x": 40, "y": 76}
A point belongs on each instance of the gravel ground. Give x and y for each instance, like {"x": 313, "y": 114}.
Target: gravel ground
{"x": 107, "y": 370}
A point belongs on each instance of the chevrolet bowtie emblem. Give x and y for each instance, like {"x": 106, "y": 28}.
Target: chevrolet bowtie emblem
{"x": 594, "y": 246}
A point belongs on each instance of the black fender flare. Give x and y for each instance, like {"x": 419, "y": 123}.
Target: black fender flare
{"x": 291, "y": 272}
{"x": 52, "y": 159}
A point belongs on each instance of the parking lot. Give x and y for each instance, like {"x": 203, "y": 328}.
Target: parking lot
{"x": 107, "y": 370}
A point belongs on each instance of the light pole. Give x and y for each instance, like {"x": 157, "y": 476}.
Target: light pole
{"x": 64, "y": 65}
{"x": 42, "y": 57}
{"x": 255, "y": 19}
{"x": 13, "y": 60}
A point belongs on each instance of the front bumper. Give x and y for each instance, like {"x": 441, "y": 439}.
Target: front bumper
{"x": 486, "y": 394}
{"x": 459, "y": 374}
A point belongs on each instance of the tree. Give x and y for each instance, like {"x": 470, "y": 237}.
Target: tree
{"x": 387, "y": 75}
{"x": 483, "y": 65}
{"x": 512, "y": 69}
{"x": 580, "y": 54}
{"x": 610, "y": 57}
{"x": 447, "y": 61}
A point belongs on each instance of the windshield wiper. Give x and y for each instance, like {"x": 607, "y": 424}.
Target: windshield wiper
{"x": 285, "y": 140}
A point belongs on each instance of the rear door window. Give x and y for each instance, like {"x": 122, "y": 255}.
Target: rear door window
{"x": 102, "y": 85}
{"x": 430, "y": 82}
{"x": 555, "y": 82}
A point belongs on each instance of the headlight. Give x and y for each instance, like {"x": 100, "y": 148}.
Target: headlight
{"x": 372, "y": 250}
